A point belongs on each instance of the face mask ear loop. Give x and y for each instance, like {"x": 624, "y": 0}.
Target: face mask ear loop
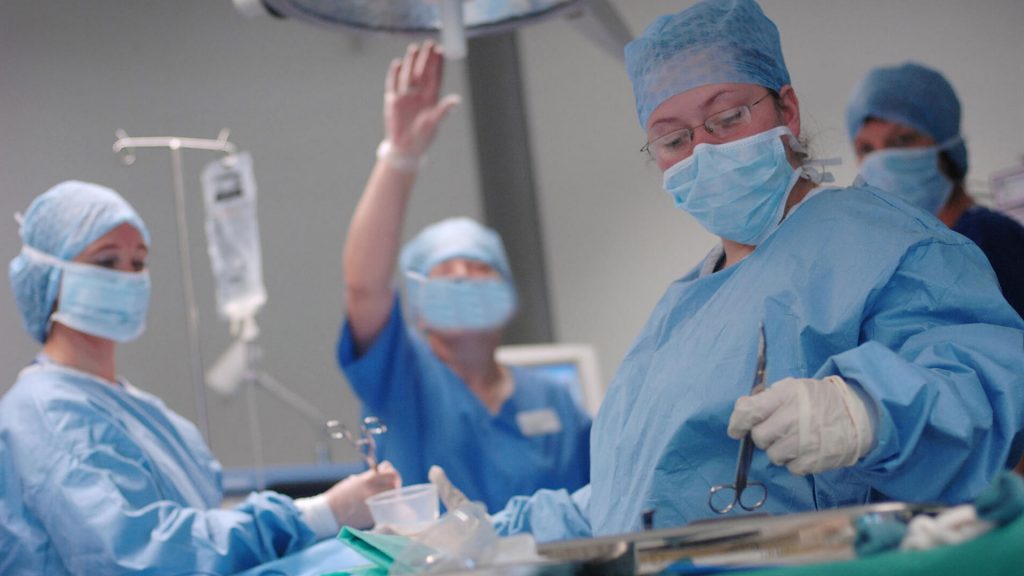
{"x": 415, "y": 276}
{"x": 813, "y": 169}
{"x": 42, "y": 257}
{"x": 949, "y": 142}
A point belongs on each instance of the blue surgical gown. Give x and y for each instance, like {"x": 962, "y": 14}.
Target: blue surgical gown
{"x": 99, "y": 478}
{"x": 852, "y": 283}
{"x": 1001, "y": 238}
{"x": 433, "y": 418}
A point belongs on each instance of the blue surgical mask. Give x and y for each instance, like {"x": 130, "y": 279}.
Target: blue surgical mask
{"x": 463, "y": 304}
{"x": 104, "y": 303}
{"x": 736, "y": 190}
{"x": 913, "y": 174}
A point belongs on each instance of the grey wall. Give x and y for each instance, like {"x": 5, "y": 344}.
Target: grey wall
{"x": 306, "y": 103}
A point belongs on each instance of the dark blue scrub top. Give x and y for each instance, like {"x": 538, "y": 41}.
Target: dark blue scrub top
{"x": 1001, "y": 238}
{"x": 433, "y": 418}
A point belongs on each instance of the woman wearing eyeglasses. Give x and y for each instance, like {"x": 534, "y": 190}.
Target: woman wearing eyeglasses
{"x": 894, "y": 366}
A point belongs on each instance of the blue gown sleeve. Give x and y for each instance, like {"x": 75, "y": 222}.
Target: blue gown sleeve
{"x": 385, "y": 373}
{"x": 943, "y": 359}
{"x": 104, "y": 508}
{"x": 548, "y": 515}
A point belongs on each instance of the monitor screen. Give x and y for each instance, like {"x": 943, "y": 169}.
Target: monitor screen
{"x": 574, "y": 365}
{"x": 565, "y": 373}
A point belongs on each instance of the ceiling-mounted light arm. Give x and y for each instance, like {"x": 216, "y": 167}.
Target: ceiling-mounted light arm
{"x": 453, "y": 30}
{"x": 455, "y": 20}
{"x": 255, "y": 8}
{"x": 601, "y": 24}
{"x": 414, "y": 17}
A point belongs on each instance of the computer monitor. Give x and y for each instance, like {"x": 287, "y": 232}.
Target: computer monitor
{"x": 574, "y": 365}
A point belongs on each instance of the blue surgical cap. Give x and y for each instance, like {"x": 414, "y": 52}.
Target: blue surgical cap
{"x": 913, "y": 95}
{"x": 711, "y": 42}
{"x": 454, "y": 238}
{"x": 62, "y": 222}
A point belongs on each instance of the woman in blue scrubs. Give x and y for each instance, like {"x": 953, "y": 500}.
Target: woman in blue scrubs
{"x": 904, "y": 124}
{"x": 432, "y": 377}
{"x": 96, "y": 475}
{"x": 894, "y": 364}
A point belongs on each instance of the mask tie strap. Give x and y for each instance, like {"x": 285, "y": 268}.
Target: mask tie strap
{"x": 42, "y": 257}
{"x": 812, "y": 169}
{"x": 815, "y": 170}
{"x": 950, "y": 142}
{"x": 416, "y": 276}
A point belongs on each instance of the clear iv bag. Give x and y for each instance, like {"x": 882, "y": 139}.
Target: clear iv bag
{"x": 233, "y": 237}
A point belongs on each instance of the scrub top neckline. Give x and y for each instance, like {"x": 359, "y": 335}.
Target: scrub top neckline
{"x": 507, "y": 372}
{"x": 508, "y": 406}
{"x": 44, "y": 361}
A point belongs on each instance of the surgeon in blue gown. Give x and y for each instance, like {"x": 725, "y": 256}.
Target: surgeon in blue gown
{"x": 96, "y": 475}
{"x": 895, "y": 366}
{"x": 431, "y": 375}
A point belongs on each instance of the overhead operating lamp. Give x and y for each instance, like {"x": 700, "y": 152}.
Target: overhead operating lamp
{"x": 455, "y": 20}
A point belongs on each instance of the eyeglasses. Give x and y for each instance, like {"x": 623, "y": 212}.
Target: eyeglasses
{"x": 722, "y": 124}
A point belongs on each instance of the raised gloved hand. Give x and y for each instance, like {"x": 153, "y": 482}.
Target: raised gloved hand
{"x": 412, "y": 107}
{"x": 347, "y": 498}
{"x": 805, "y": 424}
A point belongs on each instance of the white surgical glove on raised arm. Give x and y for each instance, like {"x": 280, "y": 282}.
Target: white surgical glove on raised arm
{"x": 806, "y": 424}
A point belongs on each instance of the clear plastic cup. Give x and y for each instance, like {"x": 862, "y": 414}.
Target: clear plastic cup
{"x": 405, "y": 510}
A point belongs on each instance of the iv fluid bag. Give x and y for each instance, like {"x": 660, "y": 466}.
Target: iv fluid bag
{"x": 233, "y": 237}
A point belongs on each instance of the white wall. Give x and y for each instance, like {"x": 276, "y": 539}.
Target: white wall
{"x": 306, "y": 102}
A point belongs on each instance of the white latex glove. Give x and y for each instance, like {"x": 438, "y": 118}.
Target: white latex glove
{"x": 805, "y": 424}
{"x": 347, "y": 498}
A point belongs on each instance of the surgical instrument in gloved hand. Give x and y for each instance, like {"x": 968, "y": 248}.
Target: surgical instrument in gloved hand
{"x": 364, "y": 442}
{"x": 729, "y": 495}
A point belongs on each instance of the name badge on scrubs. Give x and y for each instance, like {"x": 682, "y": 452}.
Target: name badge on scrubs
{"x": 538, "y": 422}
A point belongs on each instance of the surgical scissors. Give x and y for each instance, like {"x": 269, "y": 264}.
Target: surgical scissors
{"x": 731, "y": 495}
{"x": 364, "y": 442}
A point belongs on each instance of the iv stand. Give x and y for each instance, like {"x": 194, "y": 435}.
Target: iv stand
{"x": 125, "y": 147}
{"x": 253, "y": 377}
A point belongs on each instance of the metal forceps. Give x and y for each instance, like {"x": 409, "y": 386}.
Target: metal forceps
{"x": 364, "y": 441}
{"x": 747, "y": 495}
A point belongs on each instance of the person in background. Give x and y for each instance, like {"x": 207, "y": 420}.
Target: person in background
{"x": 432, "y": 378}
{"x": 96, "y": 475}
{"x": 893, "y": 363}
{"x": 904, "y": 122}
